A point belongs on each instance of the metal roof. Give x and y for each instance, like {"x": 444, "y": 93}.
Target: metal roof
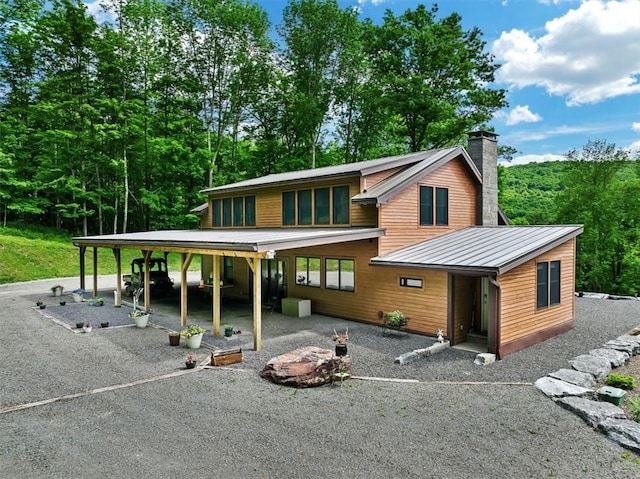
{"x": 485, "y": 249}
{"x": 360, "y": 168}
{"x": 384, "y": 190}
{"x": 254, "y": 240}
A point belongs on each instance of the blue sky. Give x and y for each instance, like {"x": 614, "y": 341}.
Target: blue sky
{"x": 571, "y": 68}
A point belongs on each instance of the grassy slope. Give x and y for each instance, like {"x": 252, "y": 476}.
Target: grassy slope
{"x": 26, "y": 259}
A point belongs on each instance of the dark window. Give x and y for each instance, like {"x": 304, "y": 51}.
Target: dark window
{"x": 442, "y": 206}
{"x": 426, "y": 205}
{"x": 226, "y": 212}
{"x": 340, "y": 274}
{"x": 411, "y": 282}
{"x": 554, "y": 284}
{"x": 227, "y": 273}
{"x": 238, "y": 211}
{"x": 308, "y": 271}
{"x": 548, "y": 284}
{"x": 304, "y": 207}
{"x": 341, "y": 205}
{"x": 321, "y": 206}
{"x": 289, "y": 208}
{"x": 250, "y": 210}
{"x": 216, "y": 214}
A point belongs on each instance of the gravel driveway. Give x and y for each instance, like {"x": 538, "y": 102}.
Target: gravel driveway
{"x": 118, "y": 403}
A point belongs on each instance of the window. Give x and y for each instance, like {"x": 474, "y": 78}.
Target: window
{"x": 321, "y": 206}
{"x": 548, "y": 284}
{"x": 308, "y": 271}
{"x": 340, "y": 274}
{"x": 216, "y": 214}
{"x": 226, "y": 212}
{"x": 427, "y": 212}
{"x": 304, "y": 207}
{"x": 289, "y": 208}
{"x": 250, "y": 210}
{"x": 238, "y": 211}
{"x": 442, "y": 206}
{"x": 426, "y": 205}
{"x": 411, "y": 282}
{"x": 227, "y": 271}
{"x": 341, "y": 205}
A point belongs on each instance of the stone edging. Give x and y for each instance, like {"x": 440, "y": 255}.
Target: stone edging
{"x": 573, "y": 390}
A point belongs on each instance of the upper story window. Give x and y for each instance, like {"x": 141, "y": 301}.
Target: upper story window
{"x": 318, "y": 206}
{"x": 434, "y": 204}
{"x": 236, "y": 211}
{"x": 548, "y": 284}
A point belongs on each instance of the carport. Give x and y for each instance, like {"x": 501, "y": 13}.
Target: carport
{"x": 253, "y": 245}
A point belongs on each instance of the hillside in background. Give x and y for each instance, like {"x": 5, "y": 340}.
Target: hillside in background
{"x": 528, "y": 192}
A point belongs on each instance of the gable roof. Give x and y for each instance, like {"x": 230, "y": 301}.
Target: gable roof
{"x": 483, "y": 249}
{"x": 384, "y": 190}
{"x": 361, "y": 168}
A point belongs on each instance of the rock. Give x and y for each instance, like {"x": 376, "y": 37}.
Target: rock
{"x": 597, "y": 366}
{"x": 305, "y": 367}
{"x": 623, "y": 431}
{"x": 555, "y": 388}
{"x": 616, "y": 358}
{"x": 593, "y": 412}
{"x": 572, "y": 376}
{"x": 484, "y": 359}
{"x": 629, "y": 348}
{"x": 630, "y": 339}
{"x": 406, "y": 358}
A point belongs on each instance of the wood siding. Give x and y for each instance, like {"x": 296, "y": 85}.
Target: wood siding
{"x": 369, "y": 180}
{"x": 400, "y": 215}
{"x": 519, "y": 315}
{"x": 377, "y": 288}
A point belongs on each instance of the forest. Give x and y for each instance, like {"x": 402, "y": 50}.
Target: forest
{"x": 116, "y": 126}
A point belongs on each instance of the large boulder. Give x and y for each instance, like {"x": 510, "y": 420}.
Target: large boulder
{"x": 305, "y": 367}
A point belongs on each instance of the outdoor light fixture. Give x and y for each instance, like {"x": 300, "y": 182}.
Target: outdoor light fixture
{"x": 271, "y": 254}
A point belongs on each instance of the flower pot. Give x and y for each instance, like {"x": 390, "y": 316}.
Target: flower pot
{"x": 42, "y": 306}
{"x": 341, "y": 349}
{"x": 194, "y": 341}
{"x": 104, "y": 324}
{"x": 174, "y": 339}
{"x": 190, "y": 365}
{"x": 141, "y": 321}
{"x": 79, "y": 325}
{"x": 57, "y": 291}
{"x": 228, "y": 332}
{"x": 62, "y": 303}
{"x": 77, "y": 297}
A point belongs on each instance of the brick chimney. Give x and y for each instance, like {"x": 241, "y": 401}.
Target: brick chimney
{"x": 483, "y": 150}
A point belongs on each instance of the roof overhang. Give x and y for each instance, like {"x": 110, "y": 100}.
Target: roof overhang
{"x": 239, "y": 242}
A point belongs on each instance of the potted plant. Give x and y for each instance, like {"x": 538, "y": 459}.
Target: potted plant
{"x": 140, "y": 318}
{"x": 87, "y": 327}
{"x": 341, "y": 342}
{"x": 193, "y": 336}
{"x": 57, "y": 290}
{"x": 77, "y": 295}
{"x": 79, "y": 324}
{"x": 104, "y": 324}
{"x": 228, "y": 330}
{"x": 62, "y": 303}
{"x": 396, "y": 319}
{"x": 98, "y": 301}
{"x": 190, "y": 360}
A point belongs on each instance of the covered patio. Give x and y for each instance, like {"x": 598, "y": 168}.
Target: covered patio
{"x": 252, "y": 245}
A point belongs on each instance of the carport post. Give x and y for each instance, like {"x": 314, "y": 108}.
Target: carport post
{"x": 215, "y": 294}
{"x": 95, "y": 271}
{"x": 256, "y": 266}
{"x": 184, "y": 267}
{"x": 118, "y": 299}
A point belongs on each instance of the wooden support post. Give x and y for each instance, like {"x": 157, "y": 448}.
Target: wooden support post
{"x": 82, "y": 252}
{"x": 147, "y": 281}
{"x": 118, "y": 299}
{"x": 256, "y": 266}
{"x": 95, "y": 272}
{"x": 215, "y": 294}
{"x": 184, "y": 267}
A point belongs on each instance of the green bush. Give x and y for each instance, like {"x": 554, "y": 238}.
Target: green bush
{"x": 634, "y": 408}
{"x": 620, "y": 381}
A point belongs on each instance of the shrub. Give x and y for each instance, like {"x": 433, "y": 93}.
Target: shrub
{"x": 620, "y": 381}
{"x": 634, "y": 408}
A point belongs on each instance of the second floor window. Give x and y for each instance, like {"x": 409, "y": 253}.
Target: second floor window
{"x": 434, "y": 204}
{"x": 318, "y": 206}
{"x": 236, "y": 211}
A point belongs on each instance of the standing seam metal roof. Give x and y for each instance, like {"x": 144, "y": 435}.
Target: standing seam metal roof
{"x": 482, "y": 248}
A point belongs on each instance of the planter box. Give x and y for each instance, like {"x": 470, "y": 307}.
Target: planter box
{"x": 231, "y": 356}
{"x": 296, "y": 307}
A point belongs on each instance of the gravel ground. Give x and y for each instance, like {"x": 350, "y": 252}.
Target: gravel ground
{"x": 138, "y": 413}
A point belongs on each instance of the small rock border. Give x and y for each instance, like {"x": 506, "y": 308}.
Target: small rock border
{"x": 573, "y": 390}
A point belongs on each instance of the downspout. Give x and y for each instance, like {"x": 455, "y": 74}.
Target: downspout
{"x": 494, "y": 282}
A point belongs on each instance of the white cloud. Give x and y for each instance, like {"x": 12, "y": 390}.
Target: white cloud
{"x": 95, "y": 10}
{"x": 589, "y": 54}
{"x": 524, "y": 159}
{"x": 375, "y": 3}
{"x": 636, "y": 126}
{"x": 519, "y": 114}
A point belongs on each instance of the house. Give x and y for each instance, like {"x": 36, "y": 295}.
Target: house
{"x": 420, "y": 232}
